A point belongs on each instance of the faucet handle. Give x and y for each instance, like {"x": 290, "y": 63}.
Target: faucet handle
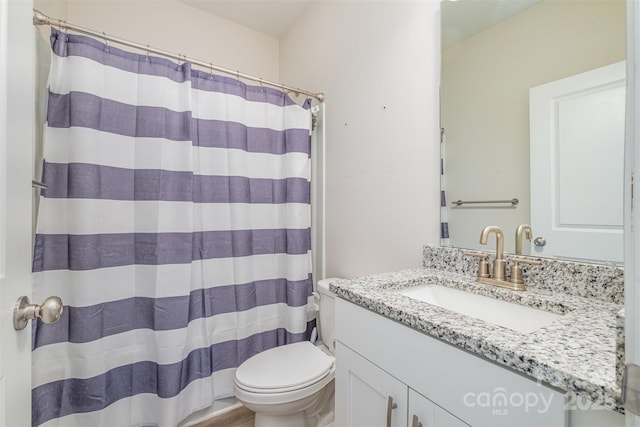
{"x": 523, "y": 260}
{"x": 483, "y": 265}
{"x": 516, "y": 270}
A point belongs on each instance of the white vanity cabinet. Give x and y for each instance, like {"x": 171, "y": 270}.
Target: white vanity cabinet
{"x": 377, "y": 357}
{"x": 372, "y": 397}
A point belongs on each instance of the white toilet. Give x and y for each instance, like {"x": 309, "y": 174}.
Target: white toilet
{"x": 292, "y": 385}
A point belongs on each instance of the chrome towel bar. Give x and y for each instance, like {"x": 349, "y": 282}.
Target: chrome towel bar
{"x": 38, "y": 184}
{"x": 513, "y": 202}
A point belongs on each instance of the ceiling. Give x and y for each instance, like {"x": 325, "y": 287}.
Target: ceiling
{"x": 273, "y": 17}
{"x": 464, "y": 18}
{"x": 461, "y": 18}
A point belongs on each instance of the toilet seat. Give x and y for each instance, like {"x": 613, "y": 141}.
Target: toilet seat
{"x": 283, "y": 369}
{"x": 282, "y": 389}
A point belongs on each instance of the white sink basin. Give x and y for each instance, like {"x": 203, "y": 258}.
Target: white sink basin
{"x": 510, "y": 315}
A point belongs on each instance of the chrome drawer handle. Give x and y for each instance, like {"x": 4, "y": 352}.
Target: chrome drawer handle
{"x": 390, "y": 407}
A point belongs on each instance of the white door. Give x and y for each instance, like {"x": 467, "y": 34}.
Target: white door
{"x": 16, "y": 134}
{"x": 365, "y": 394}
{"x": 577, "y": 158}
{"x": 632, "y": 223}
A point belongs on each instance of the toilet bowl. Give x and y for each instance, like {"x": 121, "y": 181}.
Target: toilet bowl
{"x": 293, "y": 385}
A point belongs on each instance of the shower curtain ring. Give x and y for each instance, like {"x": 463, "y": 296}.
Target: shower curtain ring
{"x": 238, "y": 75}
{"x": 211, "y": 70}
{"x": 106, "y": 42}
{"x": 148, "y": 52}
{"x": 62, "y": 25}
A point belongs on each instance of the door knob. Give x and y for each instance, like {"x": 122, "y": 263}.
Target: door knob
{"x": 539, "y": 241}
{"x": 49, "y": 311}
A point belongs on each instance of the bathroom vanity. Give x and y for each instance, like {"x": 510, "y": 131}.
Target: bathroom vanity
{"x": 406, "y": 355}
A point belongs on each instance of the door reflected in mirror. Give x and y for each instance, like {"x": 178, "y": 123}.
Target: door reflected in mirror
{"x": 487, "y": 73}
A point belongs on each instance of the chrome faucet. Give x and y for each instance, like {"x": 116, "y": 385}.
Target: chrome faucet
{"x": 522, "y": 229}
{"x": 498, "y": 262}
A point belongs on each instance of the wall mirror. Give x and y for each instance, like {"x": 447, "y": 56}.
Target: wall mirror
{"x": 493, "y": 53}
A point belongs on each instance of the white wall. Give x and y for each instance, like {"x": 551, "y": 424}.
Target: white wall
{"x": 485, "y": 103}
{"x": 176, "y": 27}
{"x": 53, "y": 8}
{"x": 378, "y": 64}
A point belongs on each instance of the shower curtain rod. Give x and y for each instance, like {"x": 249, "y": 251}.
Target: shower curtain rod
{"x": 40, "y": 18}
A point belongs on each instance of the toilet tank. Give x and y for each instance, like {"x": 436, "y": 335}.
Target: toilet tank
{"x": 327, "y": 313}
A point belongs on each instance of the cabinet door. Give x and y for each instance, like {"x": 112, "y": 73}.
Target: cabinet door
{"x": 365, "y": 394}
{"x": 425, "y": 413}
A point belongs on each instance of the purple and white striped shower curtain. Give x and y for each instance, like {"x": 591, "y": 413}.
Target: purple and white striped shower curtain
{"x": 444, "y": 222}
{"x": 176, "y": 229}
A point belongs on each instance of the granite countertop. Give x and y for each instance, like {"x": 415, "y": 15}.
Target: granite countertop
{"x": 576, "y": 353}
